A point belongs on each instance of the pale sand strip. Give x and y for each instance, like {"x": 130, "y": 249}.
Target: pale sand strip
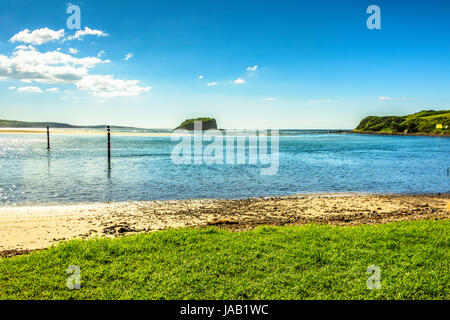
{"x": 30, "y": 228}
{"x": 86, "y": 132}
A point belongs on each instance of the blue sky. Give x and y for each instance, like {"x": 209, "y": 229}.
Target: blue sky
{"x": 318, "y": 65}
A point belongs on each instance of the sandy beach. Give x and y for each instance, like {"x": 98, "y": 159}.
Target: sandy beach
{"x": 27, "y": 228}
{"x": 81, "y": 132}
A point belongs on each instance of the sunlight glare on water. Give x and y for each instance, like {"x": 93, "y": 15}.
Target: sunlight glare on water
{"x": 75, "y": 170}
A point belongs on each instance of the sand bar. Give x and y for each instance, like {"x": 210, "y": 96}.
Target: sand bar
{"x": 36, "y": 227}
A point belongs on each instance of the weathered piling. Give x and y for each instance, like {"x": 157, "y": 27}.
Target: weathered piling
{"x": 48, "y": 138}
{"x": 109, "y": 146}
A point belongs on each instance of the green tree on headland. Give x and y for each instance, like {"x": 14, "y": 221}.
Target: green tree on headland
{"x": 427, "y": 121}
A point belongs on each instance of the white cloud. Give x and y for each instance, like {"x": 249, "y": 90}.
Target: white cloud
{"x": 53, "y": 90}
{"x": 240, "y": 81}
{"x": 28, "y": 65}
{"x": 30, "y": 89}
{"x": 87, "y": 32}
{"x": 38, "y": 37}
{"x": 12, "y": 88}
{"x": 45, "y": 35}
{"x": 128, "y": 57}
{"x": 73, "y": 51}
{"x": 211, "y": 84}
{"x": 252, "y": 69}
{"x": 105, "y": 86}
{"x": 101, "y": 54}
{"x": 200, "y": 77}
{"x": 270, "y": 99}
{"x": 24, "y": 47}
{"x": 393, "y": 98}
{"x": 320, "y": 101}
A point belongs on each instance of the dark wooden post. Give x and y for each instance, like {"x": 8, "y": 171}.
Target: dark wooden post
{"x": 48, "y": 138}
{"x": 109, "y": 147}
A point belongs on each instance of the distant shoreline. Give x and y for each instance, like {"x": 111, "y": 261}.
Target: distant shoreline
{"x": 168, "y": 133}
{"x": 81, "y": 132}
{"x": 417, "y": 134}
{"x": 154, "y": 131}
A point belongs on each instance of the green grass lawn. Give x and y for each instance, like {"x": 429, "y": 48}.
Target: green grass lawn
{"x": 308, "y": 262}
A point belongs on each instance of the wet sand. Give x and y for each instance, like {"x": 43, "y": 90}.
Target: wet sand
{"x": 37, "y": 227}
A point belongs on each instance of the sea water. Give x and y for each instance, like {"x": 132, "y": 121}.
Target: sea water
{"x": 76, "y": 168}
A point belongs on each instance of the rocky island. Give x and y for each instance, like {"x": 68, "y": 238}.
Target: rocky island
{"x": 207, "y": 124}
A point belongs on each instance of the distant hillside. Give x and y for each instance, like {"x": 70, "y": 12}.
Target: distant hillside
{"x": 207, "y": 123}
{"x": 426, "y": 122}
{"x": 23, "y": 124}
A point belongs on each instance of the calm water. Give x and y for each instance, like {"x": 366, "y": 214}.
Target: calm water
{"x": 76, "y": 168}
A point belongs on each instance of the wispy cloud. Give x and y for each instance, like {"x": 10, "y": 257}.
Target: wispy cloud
{"x": 240, "y": 81}
{"x": 270, "y": 99}
{"x": 252, "y": 69}
{"x": 128, "y": 56}
{"x": 38, "y": 37}
{"x": 80, "y": 34}
{"x": 200, "y": 77}
{"x": 55, "y": 90}
{"x": 30, "y": 89}
{"x": 320, "y": 101}
{"x": 73, "y": 51}
{"x": 45, "y": 35}
{"x": 105, "y": 86}
{"x": 392, "y": 98}
{"x": 211, "y": 84}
